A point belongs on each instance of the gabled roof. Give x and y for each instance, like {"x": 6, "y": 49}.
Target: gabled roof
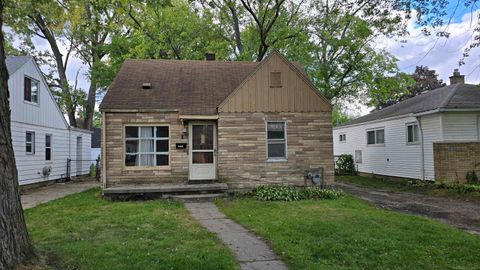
{"x": 451, "y": 97}
{"x": 187, "y": 86}
{"x": 16, "y": 62}
{"x": 191, "y": 87}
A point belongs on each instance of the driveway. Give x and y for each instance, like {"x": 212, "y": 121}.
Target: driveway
{"x": 464, "y": 215}
{"x": 33, "y": 197}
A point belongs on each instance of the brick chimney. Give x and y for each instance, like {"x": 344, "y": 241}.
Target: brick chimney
{"x": 456, "y": 77}
{"x": 209, "y": 56}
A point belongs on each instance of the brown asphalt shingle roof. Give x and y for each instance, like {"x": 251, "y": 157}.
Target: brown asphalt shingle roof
{"x": 191, "y": 87}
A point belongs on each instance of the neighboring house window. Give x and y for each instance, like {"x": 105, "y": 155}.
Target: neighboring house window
{"x": 342, "y": 137}
{"x": 31, "y": 89}
{"x": 30, "y": 142}
{"x": 146, "y": 146}
{"x": 275, "y": 79}
{"x": 358, "y": 156}
{"x": 376, "y": 136}
{"x": 276, "y": 141}
{"x": 412, "y": 133}
{"x": 48, "y": 147}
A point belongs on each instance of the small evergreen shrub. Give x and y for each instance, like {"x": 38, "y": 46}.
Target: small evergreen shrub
{"x": 345, "y": 165}
{"x": 290, "y": 193}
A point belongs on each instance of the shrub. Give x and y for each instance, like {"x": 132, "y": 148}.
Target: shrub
{"x": 466, "y": 188}
{"x": 93, "y": 170}
{"x": 472, "y": 177}
{"x": 345, "y": 165}
{"x": 290, "y": 193}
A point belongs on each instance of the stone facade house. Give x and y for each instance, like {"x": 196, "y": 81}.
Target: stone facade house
{"x": 241, "y": 124}
{"x": 434, "y": 136}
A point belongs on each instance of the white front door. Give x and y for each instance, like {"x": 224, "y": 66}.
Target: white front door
{"x": 202, "y": 151}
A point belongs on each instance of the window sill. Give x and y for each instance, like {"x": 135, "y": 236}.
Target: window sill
{"x": 412, "y": 143}
{"x": 277, "y": 160}
{"x": 146, "y": 168}
{"x": 376, "y": 145}
{"x": 31, "y": 103}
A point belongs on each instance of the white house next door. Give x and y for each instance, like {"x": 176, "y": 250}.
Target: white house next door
{"x": 202, "y": 151}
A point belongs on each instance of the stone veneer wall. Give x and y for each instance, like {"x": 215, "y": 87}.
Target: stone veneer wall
{"x": 454, "y": 159}
{"x": 117, "y": 173}
{"x": 242, "y": 149}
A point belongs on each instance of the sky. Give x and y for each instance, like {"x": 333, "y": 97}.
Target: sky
{"x": 440, "y": 54}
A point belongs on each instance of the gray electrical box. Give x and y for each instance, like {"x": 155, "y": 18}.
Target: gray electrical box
{"x": 315, "y": 175}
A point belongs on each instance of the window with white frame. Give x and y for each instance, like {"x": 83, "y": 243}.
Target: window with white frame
{"x": 146, "y": 146}
{"x": 412, "y": 133}
{"x": 31, "y": 89}
{"x": 376, "y": 137}
{"x": 48, "y": 147}
{"x": 30, "y": 142}
{"x": 276, "y": 141}
{"x": 342, "y": 137}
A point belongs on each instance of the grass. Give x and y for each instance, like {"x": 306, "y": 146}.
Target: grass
{"x": 404, "y": 186}
{"x": 84, "y": 231}
{"x": 349, "y": 233}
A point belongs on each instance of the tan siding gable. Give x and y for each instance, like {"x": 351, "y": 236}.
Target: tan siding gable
{"x": 256, "y": 95}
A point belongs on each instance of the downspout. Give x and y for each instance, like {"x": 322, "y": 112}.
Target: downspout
{"x": 422, "y": 154}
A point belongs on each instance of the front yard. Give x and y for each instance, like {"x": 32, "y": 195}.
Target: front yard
{"x": 351, "y": 234}
{"x": 83, "y": 231}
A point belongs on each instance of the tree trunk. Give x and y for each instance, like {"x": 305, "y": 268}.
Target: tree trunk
{"x": 236, "y": 27}
{"x": 90, "y": 108}
{"x": 15, "y": 246}
{"x": 61, "y": 68}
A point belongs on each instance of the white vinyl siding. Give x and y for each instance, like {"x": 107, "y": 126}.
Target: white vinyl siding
{"x": 394, "y": 158}
{"x": 44, "y": 119}
{"x": 460, "y": 126}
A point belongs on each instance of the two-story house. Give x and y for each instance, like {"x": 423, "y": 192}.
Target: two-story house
{"x": 42, "y": 139}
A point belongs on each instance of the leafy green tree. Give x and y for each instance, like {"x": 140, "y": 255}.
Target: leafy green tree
{"x": 46, "y": 20}
{"x": 423, "y": 79}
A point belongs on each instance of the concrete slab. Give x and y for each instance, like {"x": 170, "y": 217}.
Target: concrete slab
{"x": 33, "y": 197}
{"x": 251, "y": 252}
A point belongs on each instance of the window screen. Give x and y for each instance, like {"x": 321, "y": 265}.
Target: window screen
{"x": 276, "y": 140}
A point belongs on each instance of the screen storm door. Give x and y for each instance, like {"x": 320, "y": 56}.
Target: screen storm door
{"x": 202, "y": 151}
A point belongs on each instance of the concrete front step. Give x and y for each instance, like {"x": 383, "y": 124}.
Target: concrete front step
{"x": 167, "y": 189}
{"x": 197, "y": 197}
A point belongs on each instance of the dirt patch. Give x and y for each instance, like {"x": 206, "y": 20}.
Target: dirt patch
{"x": 462, "y": 214}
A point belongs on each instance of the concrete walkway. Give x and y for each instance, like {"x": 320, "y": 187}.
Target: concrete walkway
{"x": 250, "y": 251}
{"x": 36, "y": 196}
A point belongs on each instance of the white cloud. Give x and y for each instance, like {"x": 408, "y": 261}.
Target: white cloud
{"x": 441, "y": 54}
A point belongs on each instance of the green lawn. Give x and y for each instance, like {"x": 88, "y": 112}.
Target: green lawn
{"x": 427, "y": 189}
{"x": 83, "y": 231}
{"x": 351, "y": 234}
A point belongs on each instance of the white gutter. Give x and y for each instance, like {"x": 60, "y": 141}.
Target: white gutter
{"x": 422, "y": 154}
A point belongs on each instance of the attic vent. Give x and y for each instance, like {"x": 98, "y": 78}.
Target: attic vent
{"x": 146, "y": 86}
{"x": 275, "y": 79}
